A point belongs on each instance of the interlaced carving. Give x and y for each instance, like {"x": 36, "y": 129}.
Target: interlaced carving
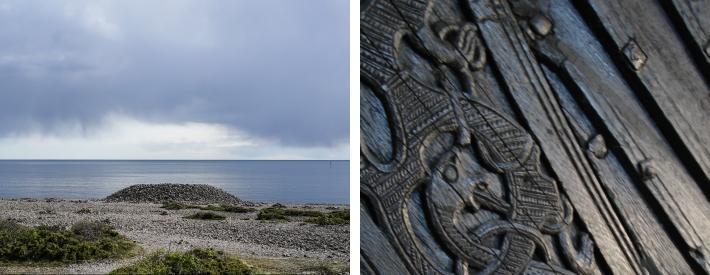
{"x": 492, "y": 164}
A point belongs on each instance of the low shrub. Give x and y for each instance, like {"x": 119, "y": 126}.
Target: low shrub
{"x": 271, "y": 213}
{"x": 93, "y": 231}
{"x": 9, "y": 226}
{"x": 304, "y": 213}
{"x": 197, "y": 261}
{"x": 238, "y": 209}
{"x": 206, "y": 216}
{"x": 341, "y": 214}
{"x": 332, "y": 218}
{"x": 327, "y": 269}
{"x": 84, "y": 241}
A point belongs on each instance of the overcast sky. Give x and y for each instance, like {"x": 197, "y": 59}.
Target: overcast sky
{"x": 200, "y": 79}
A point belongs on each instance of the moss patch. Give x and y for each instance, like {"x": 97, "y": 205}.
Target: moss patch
{"x": 206, "y": 216}
{"x": 84, "y": 241}
{"x": 197, "y": 261}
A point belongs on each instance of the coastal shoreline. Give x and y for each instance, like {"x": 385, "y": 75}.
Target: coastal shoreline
{"x": 292, "y": 244}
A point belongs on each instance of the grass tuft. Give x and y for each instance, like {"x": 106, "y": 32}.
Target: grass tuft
{"x": 197, "y": 261}
{"x": 84, "y": 241}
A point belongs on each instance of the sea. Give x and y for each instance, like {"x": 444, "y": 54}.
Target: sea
{"x": 290, "y": 181}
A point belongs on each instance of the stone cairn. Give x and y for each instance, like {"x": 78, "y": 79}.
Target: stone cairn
{"x": 170, "y": 192}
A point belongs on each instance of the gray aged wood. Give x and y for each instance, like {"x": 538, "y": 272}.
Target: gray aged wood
{"x": 535, "y": 137}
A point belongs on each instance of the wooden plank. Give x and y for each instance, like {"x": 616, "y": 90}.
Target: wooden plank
{"x": 532, "y": 94}
{"x": 660, "y": 64}
{"x": 378, "y": 255}
{"x": 644, "y": 227}
{"x": 679, "y": 91}
{"x": 695, "y": 15}
{"x": 628, "y": 125}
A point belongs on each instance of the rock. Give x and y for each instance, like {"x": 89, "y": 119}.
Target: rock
{"x": 158, "y": 193}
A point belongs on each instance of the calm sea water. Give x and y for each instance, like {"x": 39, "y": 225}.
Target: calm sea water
{"x": 283, "y": 181}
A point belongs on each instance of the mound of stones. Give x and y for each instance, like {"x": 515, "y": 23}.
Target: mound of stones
{"x": 159, "y": 193}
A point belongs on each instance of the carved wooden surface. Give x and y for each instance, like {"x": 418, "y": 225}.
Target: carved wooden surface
{"x": 535, "y": 137}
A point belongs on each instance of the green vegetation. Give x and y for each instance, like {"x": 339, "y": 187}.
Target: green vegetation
{"x": 197, "y": 261}
{"x": 316, "y": 217}
{"x": 271, "y": 213}
{"x": 228, "y": 208}
{"x": 206, "y": 216}
{"x": 332, "y": 218}
{"x": 176, "y": 206}
{"x": 327, "y": 269}
{"x": 279, "y": 213}
{"x": 84, "y": 241}
{"x": 211, "y": 207}
{"x": 274, "y": 212}
{"x": 304, "y": 213}
{"x": 296, "y": 265}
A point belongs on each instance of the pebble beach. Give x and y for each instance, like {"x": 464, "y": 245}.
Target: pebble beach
{"x": 288, "y": 243}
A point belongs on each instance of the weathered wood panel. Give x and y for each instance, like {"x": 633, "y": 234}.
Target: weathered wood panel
{"x": 616, "y": 109}
{"x": 378, "y": 255}
{"x": 694, "y": 17}
{"x": 542, "y": 112}
{"x": 510, "y": 137}
{"x": 662, "y": 67}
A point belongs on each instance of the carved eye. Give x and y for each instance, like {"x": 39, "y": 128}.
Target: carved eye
{"x": 451, "y": 174}
{"x": 483, "y": 185}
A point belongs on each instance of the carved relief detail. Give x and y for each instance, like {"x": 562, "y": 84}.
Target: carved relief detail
{"x": 492, "y": 164}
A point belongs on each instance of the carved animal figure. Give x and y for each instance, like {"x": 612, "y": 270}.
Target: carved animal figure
{"x": 459, "y": 181}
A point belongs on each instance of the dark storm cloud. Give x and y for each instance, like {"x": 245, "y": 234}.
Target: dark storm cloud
{"x": 276, "y": 69}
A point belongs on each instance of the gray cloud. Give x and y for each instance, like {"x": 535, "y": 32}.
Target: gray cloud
{"x": 277, "y": 69}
